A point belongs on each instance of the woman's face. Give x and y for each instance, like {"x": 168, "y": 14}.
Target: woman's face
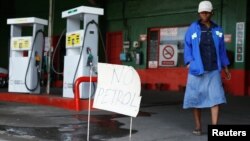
{"x": 205, "y": 16}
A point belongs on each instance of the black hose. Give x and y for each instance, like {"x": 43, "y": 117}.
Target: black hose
{"x": 58, "y": 42}
{"x": 103, "y": 45}
{"x": 38, "y": 74}
{"x": 79, "y": 60}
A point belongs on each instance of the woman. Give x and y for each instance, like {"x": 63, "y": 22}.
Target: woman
{"x": 205, "y": 56}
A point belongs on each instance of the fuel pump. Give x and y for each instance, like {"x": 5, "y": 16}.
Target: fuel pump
{"x": 81, "y": 47}
{"x": 25, "y": 54}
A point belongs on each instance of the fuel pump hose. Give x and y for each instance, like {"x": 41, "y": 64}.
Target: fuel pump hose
{"x": 37, "y": 62}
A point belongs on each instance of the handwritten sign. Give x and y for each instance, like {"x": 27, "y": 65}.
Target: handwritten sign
{"x": 118, "y": 89}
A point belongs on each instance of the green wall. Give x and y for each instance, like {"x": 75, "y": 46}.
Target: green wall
{"x": 247, "y": 37}
{"x": 234, "y": 11}
{"x": 135, "y": 17}
{"x": 40, "y": 8}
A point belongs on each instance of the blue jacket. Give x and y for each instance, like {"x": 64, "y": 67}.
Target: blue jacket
{"x": 192, "y": 49}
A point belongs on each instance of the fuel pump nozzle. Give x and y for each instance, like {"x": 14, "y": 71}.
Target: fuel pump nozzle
{"x": 90, "y": 57}
{"x": 37, "y": 59}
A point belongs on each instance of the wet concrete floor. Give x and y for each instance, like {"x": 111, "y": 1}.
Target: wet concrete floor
{"x": 161, "y": 118}
{"x": 103, "y": 127}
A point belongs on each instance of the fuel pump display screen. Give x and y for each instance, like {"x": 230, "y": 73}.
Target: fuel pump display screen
{"x": 74, "y": 39}
{"x": 21, "y": 43}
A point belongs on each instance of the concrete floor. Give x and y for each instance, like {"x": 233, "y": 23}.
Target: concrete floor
{"x": 161, "y": 118}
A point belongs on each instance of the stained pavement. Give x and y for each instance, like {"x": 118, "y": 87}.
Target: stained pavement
{"x": 161, "y": 118}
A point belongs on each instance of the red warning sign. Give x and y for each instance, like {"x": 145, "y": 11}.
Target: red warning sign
{"x": 168, "y": 52}
{"x": 168, "y": 55}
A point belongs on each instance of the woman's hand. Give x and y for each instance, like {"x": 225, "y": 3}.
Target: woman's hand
{"x": 188, "y": 65}
{"x": 228, "y": 74}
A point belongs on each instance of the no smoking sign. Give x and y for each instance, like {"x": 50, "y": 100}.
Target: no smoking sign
{"x": 168, "y": 52}
{"x": 168, "y": 55}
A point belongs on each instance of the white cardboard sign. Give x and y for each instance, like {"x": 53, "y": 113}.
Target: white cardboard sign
{"x": 118, "y": 89}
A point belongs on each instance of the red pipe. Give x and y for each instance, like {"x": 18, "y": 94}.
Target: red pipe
{"x": 77, "y": 91}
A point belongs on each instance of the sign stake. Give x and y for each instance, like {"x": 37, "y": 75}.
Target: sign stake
{"x": 90, "y": 81}
{"x": 130, "y": 131}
